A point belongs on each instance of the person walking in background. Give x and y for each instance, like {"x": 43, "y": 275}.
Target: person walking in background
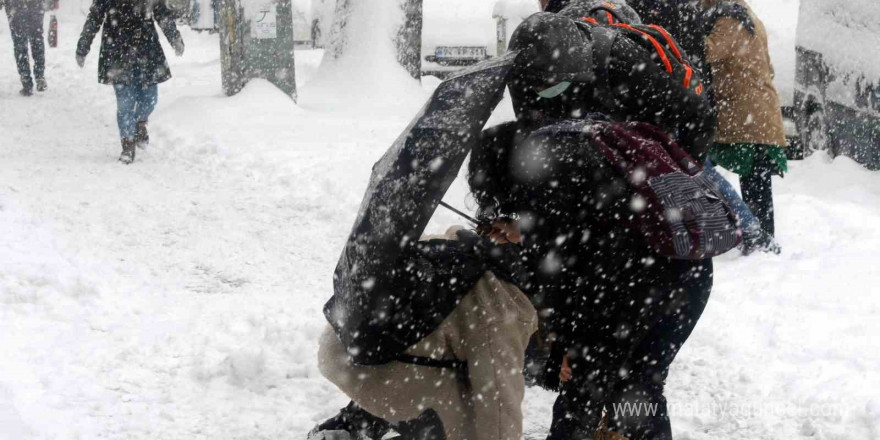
{"x": 728, "y": 44}
{"x": 750, "y": 140}
{"x": 131, "y": 60}
{"x": 26, "y": 28}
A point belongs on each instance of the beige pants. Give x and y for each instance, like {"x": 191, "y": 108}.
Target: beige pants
{"x": 489, "y": 330}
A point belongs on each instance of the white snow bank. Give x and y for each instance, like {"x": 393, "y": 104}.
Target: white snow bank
{"x": 366, "y": 76}
{"x": 11, "y": 425}
{"x": 796, "y": 329}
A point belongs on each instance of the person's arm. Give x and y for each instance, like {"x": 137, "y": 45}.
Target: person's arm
{"x": 726, "y": 39}
{"x": 91, "y": 27}
{"x": 166, "y": 22}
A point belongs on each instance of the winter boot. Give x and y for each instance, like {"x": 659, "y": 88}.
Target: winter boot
{"x": 41, "y": 85}
{"x": 760, "y": 241}
{"x": 352, "y": 423}
{"x": 27, "y": 86}
{"x": 143, "y": 137}
{"x": 128, "y": 150}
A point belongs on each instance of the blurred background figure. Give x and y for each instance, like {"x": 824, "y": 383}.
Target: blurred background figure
{"x": 26, "y": 28}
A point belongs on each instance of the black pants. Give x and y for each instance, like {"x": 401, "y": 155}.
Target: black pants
{"x": 621, "y": 364}
{"x": 27, "y": 32}
{"x": 757, "y": 190}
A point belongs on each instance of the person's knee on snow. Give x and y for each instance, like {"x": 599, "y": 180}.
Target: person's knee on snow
{"x": 486, "y": 334}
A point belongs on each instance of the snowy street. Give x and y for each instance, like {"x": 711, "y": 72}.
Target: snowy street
{"x": 180, "y": 297}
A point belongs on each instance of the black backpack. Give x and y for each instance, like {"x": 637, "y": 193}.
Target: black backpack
{"x": 690, "y": 26}
{"x": 605, "y": 24}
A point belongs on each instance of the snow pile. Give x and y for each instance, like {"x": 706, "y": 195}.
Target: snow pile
{"x": 846, "y": 33}
{"x": 365, "y": 76}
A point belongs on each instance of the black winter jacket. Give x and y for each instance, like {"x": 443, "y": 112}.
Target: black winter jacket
{"x": 130, "y": 49}
{"x": 26, "y": 7}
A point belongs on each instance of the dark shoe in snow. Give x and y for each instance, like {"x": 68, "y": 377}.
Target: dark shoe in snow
{"x": 26, "y": 91}
{"x": 128, "y": 150}
{"x": 760, "y": 241}
{"x": 143, "y": 137}
{"x": 41, "y": 85}
{"x": 352, "y": 423}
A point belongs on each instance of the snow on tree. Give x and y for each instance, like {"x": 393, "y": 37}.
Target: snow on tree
{"x": 376, "y": 22}
{"x": 363, "y": 69}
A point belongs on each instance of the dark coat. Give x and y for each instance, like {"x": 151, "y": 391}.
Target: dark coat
{"x": 130, "y": 49}
{"x": 22, "y": 7}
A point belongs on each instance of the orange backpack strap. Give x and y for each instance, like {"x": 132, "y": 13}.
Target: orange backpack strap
{"x": 657, "y": 46}
{"x": 669, "y": 41}
{"x": 673, "y": 46}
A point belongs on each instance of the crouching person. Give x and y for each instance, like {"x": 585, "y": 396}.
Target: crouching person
{"x": 463, "y": 379}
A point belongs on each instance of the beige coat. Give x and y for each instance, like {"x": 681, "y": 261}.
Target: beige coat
{"x": 489, "y": 330}
{"x": 748, "y": 104}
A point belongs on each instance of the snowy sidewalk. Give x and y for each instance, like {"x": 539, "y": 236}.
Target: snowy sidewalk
{"x": 180, "y": 297}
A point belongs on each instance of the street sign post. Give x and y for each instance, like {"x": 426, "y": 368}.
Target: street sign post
{"x": 256, "y": 41}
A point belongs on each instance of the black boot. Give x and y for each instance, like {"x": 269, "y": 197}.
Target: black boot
{"x": 352, "y": 423}
{"x": 143, "y": 137}
{"x": 128, "y": 150}
{"x": 42, "y": 85}
{"x": 760, "y": 241}
{"x": 27, "y": 87}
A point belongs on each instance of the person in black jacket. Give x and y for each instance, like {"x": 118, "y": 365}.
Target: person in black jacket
{"x": 131, "y": 60}
{"x": 616, "y": 311}
{"x": 26, "y": 27}
{"x": 611, "y": 303}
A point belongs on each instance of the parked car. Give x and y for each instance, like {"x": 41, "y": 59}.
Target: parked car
{"x": 837, "y": 79}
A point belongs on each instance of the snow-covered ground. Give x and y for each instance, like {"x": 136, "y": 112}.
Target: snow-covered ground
{"x": 180, "y": 297}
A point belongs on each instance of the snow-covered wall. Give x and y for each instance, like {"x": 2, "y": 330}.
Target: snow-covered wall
{"x": 847, "y": 33}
